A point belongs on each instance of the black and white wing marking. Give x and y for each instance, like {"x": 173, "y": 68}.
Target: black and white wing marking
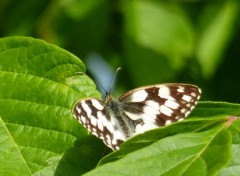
{"x": 136, "y": 111}
{"x": 160, "y": 105}
{"x": 92, "y": 114}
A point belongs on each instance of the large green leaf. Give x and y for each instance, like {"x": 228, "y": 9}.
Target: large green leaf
{"x": 148, "y": 138}
{"x": 197, "y": 123}
{"x": 39, "y": 85}
{"x": 182, "y": 154}
{"x": 218, "y": 113}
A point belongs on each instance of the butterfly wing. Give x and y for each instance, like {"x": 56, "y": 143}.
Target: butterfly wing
{"x": 91, "y": 113}
{"x": 159, "y": 105}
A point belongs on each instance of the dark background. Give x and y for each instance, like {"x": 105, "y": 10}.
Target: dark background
{"x": 154, "y": 42}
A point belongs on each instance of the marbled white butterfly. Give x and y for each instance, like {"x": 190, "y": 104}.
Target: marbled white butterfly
{"x": 136, "y": 111}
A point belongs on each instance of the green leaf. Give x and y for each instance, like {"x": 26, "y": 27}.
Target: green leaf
{"x": 208, "y": 109}
{"x": 205, "y": 116}
{"x": 182, "y": 154}
{"x": 149, "y": 137}
{"x": 157, "y": 32}
{"x": 78, "y": 10}
{"x": 10, "y": 155}
{"x": 39, "y": 84}
{"x": 217, "y": 24}
{"x": 233, "y": 169}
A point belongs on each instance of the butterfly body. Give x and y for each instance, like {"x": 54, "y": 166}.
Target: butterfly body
{"x": 118, "y": 118}
{"x": 137, "y": 111}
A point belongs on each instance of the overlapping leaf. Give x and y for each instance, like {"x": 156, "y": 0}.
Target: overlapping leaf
{"x": 39, "y": 84}
{"x": 182, "y": 154}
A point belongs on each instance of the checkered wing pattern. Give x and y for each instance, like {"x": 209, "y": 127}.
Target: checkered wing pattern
{"x": 137, "y": 111}
{"x": 92, "y": 114}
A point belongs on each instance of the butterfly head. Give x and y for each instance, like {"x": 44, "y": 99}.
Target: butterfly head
{"x": 108, "y": 98}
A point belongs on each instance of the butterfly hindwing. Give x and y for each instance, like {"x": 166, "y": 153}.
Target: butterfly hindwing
{"x": 91, "y": 113}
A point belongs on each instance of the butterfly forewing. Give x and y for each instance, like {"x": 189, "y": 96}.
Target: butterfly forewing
{"x": 162, "y": 104}
{"x": 136, "y": 111}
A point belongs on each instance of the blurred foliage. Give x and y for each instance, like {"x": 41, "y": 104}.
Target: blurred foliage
{"x": 153, "y": 41}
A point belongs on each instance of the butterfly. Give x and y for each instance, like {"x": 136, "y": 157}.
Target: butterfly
{"x": 136, "y": 111}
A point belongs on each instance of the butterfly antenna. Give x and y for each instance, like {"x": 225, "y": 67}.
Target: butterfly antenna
{"x": 96, "y": 81}
{"x": 113, "y": 80}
